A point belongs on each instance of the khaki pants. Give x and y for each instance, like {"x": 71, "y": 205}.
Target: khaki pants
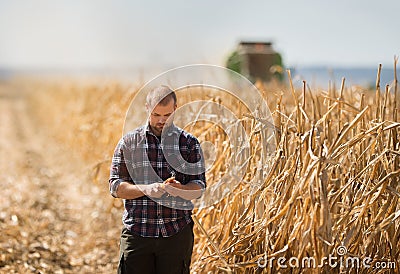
{"x": 169, "y": 255}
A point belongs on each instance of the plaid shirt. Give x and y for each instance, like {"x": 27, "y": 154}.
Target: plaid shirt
{"x": 141, "y": 158}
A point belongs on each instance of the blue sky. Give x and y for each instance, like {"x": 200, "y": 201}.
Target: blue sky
{"x": 123, "y": 33}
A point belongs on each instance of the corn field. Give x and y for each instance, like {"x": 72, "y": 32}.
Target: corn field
{"x": 333, "y": 180}
{"x": 334, "y": 183}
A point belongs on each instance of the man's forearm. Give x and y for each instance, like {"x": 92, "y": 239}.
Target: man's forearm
{"x": 189, "y": 191}
{"x": 129, "y": 191}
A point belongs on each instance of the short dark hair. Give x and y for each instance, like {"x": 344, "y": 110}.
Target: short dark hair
{"x": 160, "y": 95}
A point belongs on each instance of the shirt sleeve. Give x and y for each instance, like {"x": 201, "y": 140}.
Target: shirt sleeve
{"x": 118, "y": 171}
{"x": 196, "y": 173}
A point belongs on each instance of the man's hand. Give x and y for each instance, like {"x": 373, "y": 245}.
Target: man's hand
{"x": 189, "y": 191}
{"x": 173, "y": 187}
{"x": 154, "y": 190}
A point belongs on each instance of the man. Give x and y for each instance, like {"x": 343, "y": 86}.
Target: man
{"x": 157, "y": 169}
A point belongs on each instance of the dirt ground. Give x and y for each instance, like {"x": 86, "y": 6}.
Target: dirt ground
{"x": 52, "y": 218}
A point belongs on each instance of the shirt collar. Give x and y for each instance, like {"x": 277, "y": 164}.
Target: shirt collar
{"x": 172, "y": 129}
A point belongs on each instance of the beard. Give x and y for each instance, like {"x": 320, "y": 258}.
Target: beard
{"x": 159, "y": 127}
